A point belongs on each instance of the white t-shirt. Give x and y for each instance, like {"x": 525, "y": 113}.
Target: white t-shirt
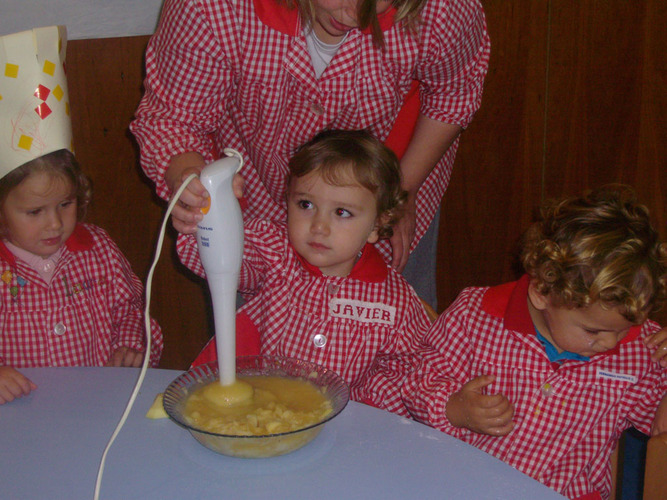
{"x": 321, "y": 53}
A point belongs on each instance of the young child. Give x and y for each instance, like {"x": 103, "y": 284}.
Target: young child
{"x": 546, "y": 372}
{"x": 68, "y": 296}
{"x": 320, "y": 289}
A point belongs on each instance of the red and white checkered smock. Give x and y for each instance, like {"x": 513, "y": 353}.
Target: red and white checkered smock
{"x": 93, "y": 305}
{"x": 568, "y": 417}
{"x": 365, "y": 326}
{"x": 237, "y": 74}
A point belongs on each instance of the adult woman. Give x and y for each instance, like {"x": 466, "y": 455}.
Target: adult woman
{"x": 262, "y": 77}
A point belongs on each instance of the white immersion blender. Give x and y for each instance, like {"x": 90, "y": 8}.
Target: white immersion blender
{"x": 220, "y": 242}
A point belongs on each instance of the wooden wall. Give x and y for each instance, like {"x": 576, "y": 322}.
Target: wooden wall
{"x": 575, "y": 97}
{"x": 105, "y": 84}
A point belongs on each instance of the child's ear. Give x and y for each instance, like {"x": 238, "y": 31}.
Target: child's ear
{"x": 539, "y": 301}
{"x": 374, "y": 236}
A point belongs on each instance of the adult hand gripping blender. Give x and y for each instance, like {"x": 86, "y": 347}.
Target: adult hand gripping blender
{"x": 220, "y": 243}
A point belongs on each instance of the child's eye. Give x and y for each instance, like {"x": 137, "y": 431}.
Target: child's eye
{"x": 341, "y": 212}
{"x": 66, "y": 203}
{"x": 36, "y": 211}
{"x": 304, "y": 204}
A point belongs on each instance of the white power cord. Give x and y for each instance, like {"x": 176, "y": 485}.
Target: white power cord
{"x": 147, "y": 321}
{"x": 147, "y": 318}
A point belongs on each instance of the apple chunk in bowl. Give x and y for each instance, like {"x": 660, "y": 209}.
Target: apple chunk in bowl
{"x": 275, "y": 423}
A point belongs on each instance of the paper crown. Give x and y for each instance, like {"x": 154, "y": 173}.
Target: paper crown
{"x": 34, "y": 103}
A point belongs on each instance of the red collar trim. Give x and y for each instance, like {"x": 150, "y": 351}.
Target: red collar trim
{"x": 370, "y": 268}
{"x": 510, "y": 302}
{"x": 81, "y": 239}
{"x": 275, "y": 14}
{"x": 6, "y": 255}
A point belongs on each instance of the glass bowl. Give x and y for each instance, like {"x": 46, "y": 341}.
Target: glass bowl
{"x": 270, "y": 445}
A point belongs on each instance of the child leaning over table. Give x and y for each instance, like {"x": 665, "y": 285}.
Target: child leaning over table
{"x": 321, "y": 290}
{"x": 546, "y": 372}
{"x": 68, "y": 296}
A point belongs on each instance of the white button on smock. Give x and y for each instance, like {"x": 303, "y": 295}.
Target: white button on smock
{"x": 320, "y": 340}
{"x": 548, "y": 390}
{"x": 59, "y": 329}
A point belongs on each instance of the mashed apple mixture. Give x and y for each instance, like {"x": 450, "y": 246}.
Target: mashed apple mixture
{"x": 269, "y": 405}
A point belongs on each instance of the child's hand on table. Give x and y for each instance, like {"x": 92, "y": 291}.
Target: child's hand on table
{"x": 126, "y": 356}
{"x": 478, "y": 412}
{"x": 658, "y": 345}
{"x": 13, "y": 384}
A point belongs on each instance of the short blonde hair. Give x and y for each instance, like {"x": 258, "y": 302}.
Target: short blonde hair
{"x": 59, "y": 164}
{"x": 341, "y": 155}
{"x": 598, "y": 247}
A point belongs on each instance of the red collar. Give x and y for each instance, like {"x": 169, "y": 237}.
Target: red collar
{"x": 275, "y": 14}
{"x": 370, "y": 267}
{"x": 510, "y": 302}
{"x": 81, "y": 239}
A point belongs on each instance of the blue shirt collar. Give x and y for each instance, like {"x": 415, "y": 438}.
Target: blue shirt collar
{"x": 553, "y": 354}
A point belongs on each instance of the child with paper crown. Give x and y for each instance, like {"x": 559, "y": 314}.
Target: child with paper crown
{"x": 68, "y": 296}
{"x": 546, "y": 372}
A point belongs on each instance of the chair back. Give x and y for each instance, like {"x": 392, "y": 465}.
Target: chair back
{"x": 655, "y": 474}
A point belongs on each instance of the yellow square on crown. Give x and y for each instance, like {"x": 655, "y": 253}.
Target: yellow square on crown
{"x": 25, "y": 142}
{"x": 49, "y": 67}
{"x": 11, "y": 70}
{"x": 58, "y": 92}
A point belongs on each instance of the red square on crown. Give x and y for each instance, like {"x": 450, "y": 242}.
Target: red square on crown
{"x": 43, "y": 110}
{"x": 41, "y": 92}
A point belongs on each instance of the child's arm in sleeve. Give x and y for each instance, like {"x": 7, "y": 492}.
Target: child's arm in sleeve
{"x": 647, "y": 399}
{"x": 264, "y": 247}
{"x": 648, "y": 408}
{"x": 126, "y": 306}
{"x": 444, "y": 392}
{"x": 382, "y": 384}
{"x": 443, "y": 369}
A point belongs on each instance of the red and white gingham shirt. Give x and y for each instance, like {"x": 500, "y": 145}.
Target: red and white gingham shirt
{"x": 365, "y": 326}
{"x": 237, "y": 74}
{"x": 568, "y": 417}
{"x": 93, "y": 305}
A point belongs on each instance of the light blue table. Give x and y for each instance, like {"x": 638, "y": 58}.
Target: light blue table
{"x": 51, "y": 443}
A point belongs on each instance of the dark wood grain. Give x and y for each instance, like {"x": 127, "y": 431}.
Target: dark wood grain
{"x": 105, "y": 83}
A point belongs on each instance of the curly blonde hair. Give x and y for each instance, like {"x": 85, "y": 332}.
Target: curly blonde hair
{"x": 58, "y": 164}
{"x": 338, "y": 155}
{"x": 598, "y": 247}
